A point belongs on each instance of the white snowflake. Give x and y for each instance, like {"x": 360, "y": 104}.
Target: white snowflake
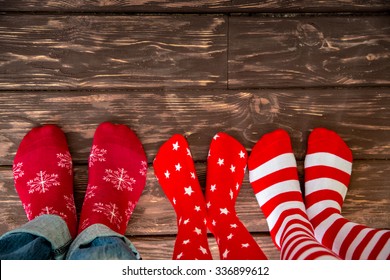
{"x": 69, "y": 203}
{"x": 90, "y": 192}
{"x": 111, "y": 211}
{"x": 144, "y": 168}
{"x": 129, "y": 210}
{"x": 96, "y": 155}
{"x": 27, "y": 209}
{"x": 84, "y": 224}
{"x": 42, "y": 182}
{"x": 51, "y": 211}
{"x": 119, "y": 179}
{"x": 65, "y": 161}
{"x": 17, "y": 170}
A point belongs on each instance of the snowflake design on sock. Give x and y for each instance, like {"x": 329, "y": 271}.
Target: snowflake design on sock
{"x": 69, "y": 204}
{"x": 65, "y": 161}
{"x": 129, "y": 210}
{"x": 90, "y": 192}
{"x": 27, "y": 209}
{"x": 144, "y": 168}
{"x": 43, "y": 182}
{"x": 51, "y": 211}
{"x": 17, "y": 170}
{"x": 119, "y": 179}
{"x": 97, "y": 155}
{"x": 84, "y": 224}
{"x": 111, "y": 211}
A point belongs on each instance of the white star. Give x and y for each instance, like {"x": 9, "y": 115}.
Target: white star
{"x": 231, "y": 194}
{"x": 233, "y": 225}
{"x": 186, "y": 221}
{"x": 179, "y": 256}
{"x": 197, "y": 208}
{"x": 180, "y": 221}
{"x": 189, "y": 152}
{"x": 209, "y": 154}
{"x": 220, "y": 161}
{"x": 205, "y": 221}
{"x": 192, "y": 175}
{"x": 203, "y": 250}
{"x": 174, "y": 201}
{"x": 245, "y": 245}
{"x": 224, "y": 255}
{"x": 208, "y": 204}
{"x": 213, "y": 187}
{"x": 185, "y": 242}
{"x": 178, "y": 167}
{"x": 176, "y": 146}
{"x": 198, "y": 231}
{"x": 242, "y": 154}
{"x": 188, "y": 190}
{"x": 232, "y": 168}
{"x": 237, "y": 186}
{"x": 216, "y": 137}
{"x": 214, "y": 223}
{"x": 230, "y": 236}
{"x": 224, "y": 211}
{"x": 167, "y": 174}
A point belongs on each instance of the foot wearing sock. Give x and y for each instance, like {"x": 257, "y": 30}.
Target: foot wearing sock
{"x": 43, "y": 175}
{"x": 175, "y": 171}
{"x": 226, "y": 167}
{"x": 117, "y": 177}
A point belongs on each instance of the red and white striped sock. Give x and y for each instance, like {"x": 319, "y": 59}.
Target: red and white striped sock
{"x": 226, "y": 167}
{"x": 117, "y": 176}
{"x": 328, "y": 166}
{"x": 43, "y": 175}
{"x": 274, "y": 178}
{"x": 175, "y": 171}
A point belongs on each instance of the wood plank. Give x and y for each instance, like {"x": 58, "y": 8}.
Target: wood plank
{"x": 159, "y": 6}
{"x": 367, "y": 201}
{"x": 91, "y": 52}
{"x": 308, "y": 51}
{"x": 360, "y": 116}
{"x": 161, "y": 248}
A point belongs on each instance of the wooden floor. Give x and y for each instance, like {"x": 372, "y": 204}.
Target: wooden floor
{"x": 196, "y": 68}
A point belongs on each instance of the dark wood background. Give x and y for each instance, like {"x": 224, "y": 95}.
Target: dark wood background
{"x": 197, "y": 68}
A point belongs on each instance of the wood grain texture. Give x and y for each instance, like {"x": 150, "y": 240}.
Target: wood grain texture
{"x": 161, "y": 248}
{"x": 367, "y": 201}
{"x": 158, "y": 6}
{"x": 308, "y": 51}
{"x": 360, "y": 116}
{"x": 90, "y": 52}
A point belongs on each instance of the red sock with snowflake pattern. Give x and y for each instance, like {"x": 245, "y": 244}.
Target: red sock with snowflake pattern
{"x": 175, "y": 171}
{"x": 328, "y": 166}
{"x": 117, "y": 177}
{"x": 43, "y": 175}
{"x": 274, "y": 178}
{"x": 226, "y": 166}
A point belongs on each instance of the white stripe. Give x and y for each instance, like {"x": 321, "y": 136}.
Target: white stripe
{"x": 329, "y": 257}
{"x": 276, "y": 189}
{"x": 300, "y": 246}
{"x": 385, "y": 252}
{"x": 320, "y": 206}
{"x": 318, "y": 248}
{"x": 341, "y": 235}
{"x": 320, "y": 184}
{"x": 277, "y": 163}
{"x": 321, "y": 229}
{"x": 291, "y": 245}
{"x": 282, "y": 227}
{"x": 358, "y": 239}
{"x": 328, "y": 159}
{"x": 291, "y": 235}
{"x": 278, "y": 210}
{"x": 370, "y": 246}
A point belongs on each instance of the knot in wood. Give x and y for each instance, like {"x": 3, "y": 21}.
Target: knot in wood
{"x": 309, "y": 35}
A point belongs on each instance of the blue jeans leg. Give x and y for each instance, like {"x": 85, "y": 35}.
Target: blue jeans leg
{"x": 25, "y": 246}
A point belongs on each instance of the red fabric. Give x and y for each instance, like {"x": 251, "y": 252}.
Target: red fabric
{"x": 43, "y": 175}
{"x": 226, "y": 167}
{"x": 117, "y": 176}
{"x": 175, "y": 171}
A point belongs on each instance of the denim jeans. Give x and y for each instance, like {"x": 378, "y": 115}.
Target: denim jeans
{"x": 47, "y": 237}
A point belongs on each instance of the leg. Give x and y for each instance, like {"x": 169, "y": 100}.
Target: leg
{"x": 328, "y": 166}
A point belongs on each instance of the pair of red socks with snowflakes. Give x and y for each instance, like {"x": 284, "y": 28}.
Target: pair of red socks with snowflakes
{"x": 43, "y": 177}
{"x": 175, "y": 171}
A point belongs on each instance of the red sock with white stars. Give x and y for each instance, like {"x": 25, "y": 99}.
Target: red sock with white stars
{"x": 274, "y": 177}
{"x": 43, "y": 175}
{"x": 117, "y": 177}
{"x": 226, "y": 166}
{"x": 328, "y": 166}
{"x": 175, "y": 171}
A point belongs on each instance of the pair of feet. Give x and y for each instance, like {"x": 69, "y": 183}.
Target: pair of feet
{"x": 43, "y": 176}
{"x": 226, "y": 166}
